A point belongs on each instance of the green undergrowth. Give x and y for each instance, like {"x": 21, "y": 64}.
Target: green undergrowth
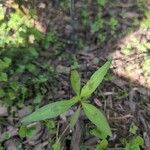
{"x": 23, "y": 70}
{"x": 103, "y": 25}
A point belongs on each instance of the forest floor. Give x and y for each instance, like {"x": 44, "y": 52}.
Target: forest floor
{"x": 119, "y": 30}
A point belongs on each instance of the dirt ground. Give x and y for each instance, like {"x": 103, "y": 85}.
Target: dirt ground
{"x": 125, "y": 98}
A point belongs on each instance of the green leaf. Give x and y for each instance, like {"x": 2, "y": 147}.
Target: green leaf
{"x": 56, "y": 146}
{"x": 97, "y": 25}
{"x": 31, "y": 132}
{"x": 50, "y": 111}
{"x": 133, "y": 129}
{"x": 5, "y": 63}
{"x": 3, "y": 77}
{"x": 2, "y": 93}
{"x": 31, "y": 68}
{"x": 75, "y": 81}
{"x": 101, "y": 2}
{"x": 135, "y": 143}
{"x": 139, "y": 140}
{"x": 26, "y": 132}
{"x": 97, "y": 118}
{"x": 95, "y": 80}
{"x": 23, "y": 131}
{"x": 38, "y": 98}
{"x": 102, "y": 145}
{"x": 50, "y": 125}
{"x": 95, "y": 132}
{"x": 75, "y": 117}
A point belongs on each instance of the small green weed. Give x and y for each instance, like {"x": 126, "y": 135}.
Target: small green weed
{"x": 113, "y": 24}
{"x": 27, "y": 132}
{"x": 101, "y": 2}
{"x": 98, "y": 24}
{"x": 134, "y": 142}
{"x": 94, "y": 115}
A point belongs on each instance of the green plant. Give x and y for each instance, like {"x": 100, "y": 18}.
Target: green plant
{"x": 4, "y": 64}
{"x": 113, "y": 24}
{"x": 26, "y": 132}
{"x": 102, "y": 145}
{"x": 101, "y": 2}
{"x": 94, "y": 115}
{"x": 134, "y": 142}
{"x": 56, "y": 145}
{"x": 98, "y": 23}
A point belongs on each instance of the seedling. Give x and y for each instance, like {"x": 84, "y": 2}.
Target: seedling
{"x": 53, "y": 110}
{"x": 135, "y": 143}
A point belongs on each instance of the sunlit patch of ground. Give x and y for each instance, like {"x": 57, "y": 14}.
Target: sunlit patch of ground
{"x": 27, "y": 12}
{"x": 132, "y": 57}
